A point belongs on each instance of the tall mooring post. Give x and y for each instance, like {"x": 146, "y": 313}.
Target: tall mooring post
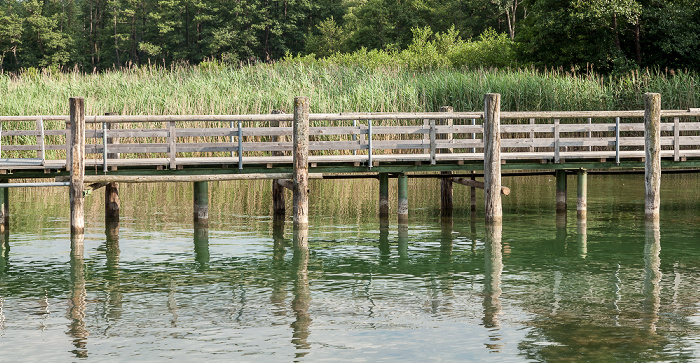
{"x": 652, "y": 159}
{"x": 492, "y": 158}
{"x": 77, "y": 165}
{"x": 301, "y": 162}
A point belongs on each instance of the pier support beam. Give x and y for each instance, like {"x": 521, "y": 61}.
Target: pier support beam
{"x": 301, "y": 162}
{"x": 278, "y": 200}
{"x": 652, "y": 160}
{"x": 492, "y": 158}
{"x": 403, "y": 198}
{"x": 77, "y": 165}
{"x": 200, "y": 210}
{"x": 112, "y": 202}
{"x": 582, "y": 194}
{"x": 446, "y": 204}
{"x": 383, "y": 196}
{"x": 561, "y": 190}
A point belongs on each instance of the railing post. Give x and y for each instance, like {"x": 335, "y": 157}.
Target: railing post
{"x": 617, "y": 140}
{"x": 492, "y": 158}
{"x": 676, "y": 139}
{"x": 172, "y": 138}
{"x": 77, "y": 167}
{"x": 301, "y": 162}
{"x": 557, "y": 157}
{"x": 652, "y": 160}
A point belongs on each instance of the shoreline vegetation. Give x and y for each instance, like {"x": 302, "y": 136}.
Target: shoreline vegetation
{"x": 335, "y": 86}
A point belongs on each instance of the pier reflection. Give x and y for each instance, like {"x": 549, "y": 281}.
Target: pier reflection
{"x": 403, "y": 244}
{"x": 384, "y": 248}
{"x": 582, "y": 237}
{"x": 301, "y": 300}
{"x": 279, "y": 291}
{"x": 652, "y": 275}
{"x": 77, "y": 329}
{"x": 115, "y": 296}
{"x": 201, "y": 246}
{"x": 446, "y": 241}
{"x": 493, "y": 267}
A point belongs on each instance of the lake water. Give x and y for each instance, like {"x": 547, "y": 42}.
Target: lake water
{"x": 540, "y": 288}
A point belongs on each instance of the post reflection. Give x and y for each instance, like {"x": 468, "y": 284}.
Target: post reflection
{"x": 446, "y": 241}
{"x": 301, "y": 300}
{"x": 77, "y": 296}
{"x": 384, "y": 249}
{"x": 201, "y": 246}
{"x": 279, "y": 291}
{"x": 114, "y": 294}
{"x": 652, "y": 274}
{"x": 403, "y": 244}
{"x": 582, "y": 237}
{"x": 493, "y": 267}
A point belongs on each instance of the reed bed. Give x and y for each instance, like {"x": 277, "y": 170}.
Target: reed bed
{"x": 262, "y": 88}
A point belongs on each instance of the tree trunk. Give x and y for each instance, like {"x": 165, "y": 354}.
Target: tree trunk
{"x": 637, "y": 42}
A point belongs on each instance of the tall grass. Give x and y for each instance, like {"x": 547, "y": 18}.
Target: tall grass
{"x": 258, "y": 89}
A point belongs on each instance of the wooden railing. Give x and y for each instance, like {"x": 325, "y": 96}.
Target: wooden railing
{"x": 367, "y": 138}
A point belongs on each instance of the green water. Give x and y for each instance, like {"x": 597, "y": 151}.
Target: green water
{"x": 541, "y": 288}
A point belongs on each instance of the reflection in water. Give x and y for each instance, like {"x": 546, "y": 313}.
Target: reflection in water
{"x": 582, "y": 237}
{"x": 652, "y": 275}
{"x": 279, "y": 291}
{"x": 446, "y": 241}
{"x": 301, "y": 301}
{"x": 561, "y": 229}
{"x": 113, "y": 308}
{"x": 172, "y": 303}
{"x": 201, "y": 246}
{"x": 76, "y": 304}
{"x": 384, "y": 249}
{"x": 493, "y": 267}
{"x": 403, "y": 244}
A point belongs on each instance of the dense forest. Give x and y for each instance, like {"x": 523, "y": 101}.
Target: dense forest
{"x": 96, "y": 35}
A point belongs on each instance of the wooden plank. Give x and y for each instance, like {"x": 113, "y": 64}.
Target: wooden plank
{"x": 89, "y": 179}
{"x": 676, "y": 139}
{"x": 172, "y": 142}
{"x": 477, "y": 184}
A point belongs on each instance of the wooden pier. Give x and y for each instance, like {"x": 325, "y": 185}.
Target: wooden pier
{"x": 89, "y": 152}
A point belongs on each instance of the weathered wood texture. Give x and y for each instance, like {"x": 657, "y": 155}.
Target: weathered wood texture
{"x": 446, "y": 190}
{"x": 383, "y": 196}
{"x": 492, "y": 158}
{"x": 182, "y": 178}
{"x": 112, "y": 201}
{"x": 652, "y": 160}
{"x": 301, "y": 161}
{"x": 77, "y": 174}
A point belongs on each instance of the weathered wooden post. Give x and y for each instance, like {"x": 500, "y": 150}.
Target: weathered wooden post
{"x": 492, "y": 157}
{"x": 383, "y": 196}
{"x": 403, "y": 198}
{"x": 301, "y": 162}
{"x": 446, "y": 194}
{"x": 652, "y": 160}
{"x": 278, "y": 200}
{"x": 560, "y": 176}
{"x": 77, "y": 165}
{"x": 582, "y": 193}
{"x": 200, "y": 203}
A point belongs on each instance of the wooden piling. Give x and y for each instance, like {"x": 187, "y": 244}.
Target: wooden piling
{"x": 200, "y": 203}
{"x": 301, "y": 162}
{"x": 403, "y": 198}
{"x": 77, "y": 166}
{"x": 582, "y": 193}
{"x": 383, "y": 196}
{"x": 652, "y": 160}
{"x": 561, "y": 190}
{"x": 492, "y": 157}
